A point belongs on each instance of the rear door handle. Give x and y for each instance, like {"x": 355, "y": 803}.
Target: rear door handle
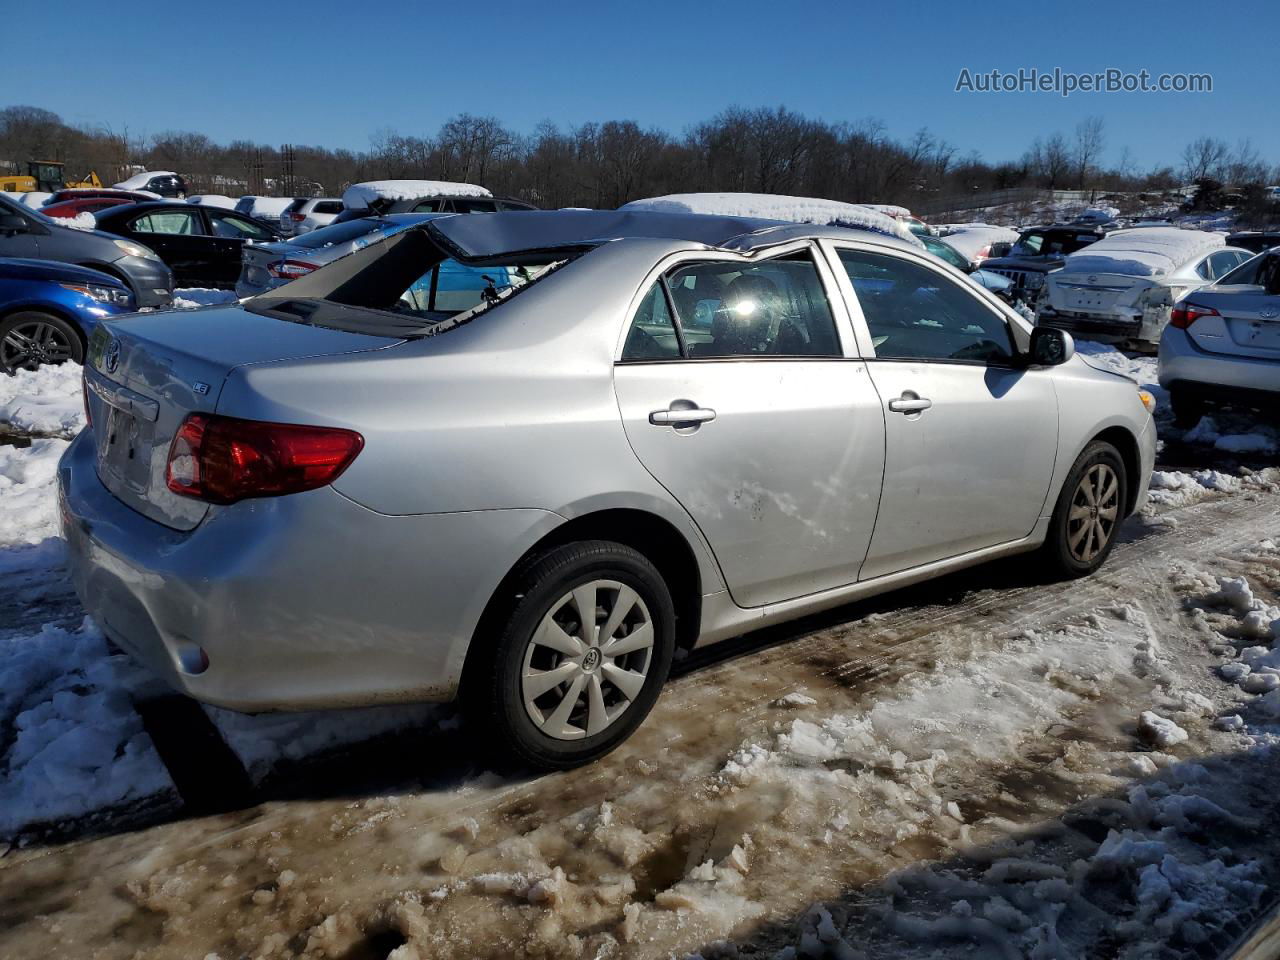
{"x": 675, "y": 416}
{"x": 910, "y": 403}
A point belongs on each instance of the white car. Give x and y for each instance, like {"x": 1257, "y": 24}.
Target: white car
{"x": 309, "y": 213}
{"x": 1124, "y": 285}
{"x": 212, "y": 200}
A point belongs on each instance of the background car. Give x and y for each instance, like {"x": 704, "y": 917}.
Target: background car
{"x": 999, "y": 285}
{"x": 73, "y": 208}
{"x": 308, "y": 213}
{"x": 1255, "y": 241}
{"x": 1124, "y": 284}
{"x": 265, "y": 266}
{"x": 48, "y": 310}
{"x": 1036, "y": 252}
{"x": 212, "y": 200}
{"x": 977, "y": 242}
{"x": 29, "y": 234}
{"x": 266, "y": 209}
{"x": 201, "y": 245}
{"x": 554, "y": 489}
{"x": 437, "y": 204}
{"x": 1222, "y": 343}
{"x": 81, "y": 193}
{"x": 163, "y": 183}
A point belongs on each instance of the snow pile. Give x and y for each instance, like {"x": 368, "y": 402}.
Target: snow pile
{"x": 81, "y": 221}
{"x": 1142, "y": 252}
{"x": 46, "y": 401}
{"x": 971, "y": 238}
{"x": 188, "y": 298}
{"x": 140, "y": 180}
{"x": 212, "y": 200}
{"x": 361, "y": 195}
{"x": 77, "y": 745}
{"x": 34, "y": 198}
{"x": 768, "y": 206}
{"x": 1262, "y": 438}
{"x": 28, "y": 502}
{"x": 888, "y": 209}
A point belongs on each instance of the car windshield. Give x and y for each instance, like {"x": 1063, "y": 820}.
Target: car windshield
{"x": 1035, "y": 243}
{"x": 945, "y": 252}
{"x": 1247, "y": 273}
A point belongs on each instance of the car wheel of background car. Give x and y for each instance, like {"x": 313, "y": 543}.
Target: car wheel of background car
{"x": 1089, "y": 511}
{"x": 587, "y": 641}
{"x": 1187, "y": 410}
{"x": 30, "y": 339}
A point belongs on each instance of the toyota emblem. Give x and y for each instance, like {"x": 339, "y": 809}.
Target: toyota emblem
{"x": 111, "y": 357}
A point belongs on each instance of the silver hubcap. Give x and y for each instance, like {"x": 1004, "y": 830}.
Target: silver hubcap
{"x": 587, "y": 661}
{"x": 30, "y": 345}
{"x": 1095, "y": 507}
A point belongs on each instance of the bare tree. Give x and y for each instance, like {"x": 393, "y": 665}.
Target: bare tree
{"x": 1203, "y": 157}
{"x": 1090, "y": 139}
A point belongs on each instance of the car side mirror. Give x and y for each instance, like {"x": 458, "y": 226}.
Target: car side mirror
{"x": 11, "y": 223}
{"x": 1050, "y": 347}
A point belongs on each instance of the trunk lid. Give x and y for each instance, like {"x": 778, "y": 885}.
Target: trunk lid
{"x": 1096, "y": 293}
{"x": 146, "y": 372}
{"x": 1249, "y": 325}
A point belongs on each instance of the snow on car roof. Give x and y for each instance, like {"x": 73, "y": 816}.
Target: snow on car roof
{"x": 969, "y": 238}
{"x": 769, "y": 206}
{"x": 360, "y": 195}
{"x": 1142, "y": 251}
{"x": 139, "y": 180}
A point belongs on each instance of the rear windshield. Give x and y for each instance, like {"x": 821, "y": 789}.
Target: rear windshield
{"x": 1036, "y": 243}
{"x": 297, "y": 204}
{"x": 407, "y": 287}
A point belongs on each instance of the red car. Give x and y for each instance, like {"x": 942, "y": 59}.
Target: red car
{"x": 73, "y": 208}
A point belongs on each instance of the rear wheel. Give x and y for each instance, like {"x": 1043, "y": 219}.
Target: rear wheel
{"x": 1089, "y": 512}
{"x": 32, "y": 338}
{"x": 585, "y": 648}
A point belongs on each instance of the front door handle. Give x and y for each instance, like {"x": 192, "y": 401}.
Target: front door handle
{"x": 910, "y": 403}
{"x": 678, "y": 415}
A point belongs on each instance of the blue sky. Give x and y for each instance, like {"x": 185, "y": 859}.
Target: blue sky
{"x": 410, "y": 65}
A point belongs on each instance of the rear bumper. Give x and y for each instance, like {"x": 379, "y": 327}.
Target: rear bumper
{"x": 1215, "y": 376}
{"x": 1089, "y": 325}
{"x": 298, "y": 602}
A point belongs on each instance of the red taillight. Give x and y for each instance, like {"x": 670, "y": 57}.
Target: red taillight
{"x": 297, "y": 217}
{"x": 225, "y": 459}
{"x": 290, "y": 269}
{"x": 1185, "y": 314}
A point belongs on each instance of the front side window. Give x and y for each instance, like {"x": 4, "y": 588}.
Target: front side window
{"x": 915, "y": 313}
{"x": 777, "y": 308}
{"x": 428, "y": 206}
{"x": 944, "y": 251}
{"x": 171, "y": 222}
{"x": 1248, "y": 272}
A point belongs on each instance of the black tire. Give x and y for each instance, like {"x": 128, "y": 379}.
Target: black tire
{"x": 33, "y": 338}
{"x": 1187, "y": 410}
{"x": 492, "y": 694}
{"x": 1063, "y": 553}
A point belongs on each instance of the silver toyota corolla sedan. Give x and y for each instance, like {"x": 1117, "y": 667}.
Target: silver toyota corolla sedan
{"x": 522, "y": 459}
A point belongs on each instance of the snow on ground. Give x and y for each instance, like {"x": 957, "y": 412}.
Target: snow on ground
{"x": 768, "y": 206}
{"x": 1142, "y": 252}
{"x": 188, "y": 298}
{"x": 28, "y": 498}
{"x": 44, "y": 402}
{"x": 360, "y": 195}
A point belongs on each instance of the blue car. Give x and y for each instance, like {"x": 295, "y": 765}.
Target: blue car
{"x": 48, "y": 310}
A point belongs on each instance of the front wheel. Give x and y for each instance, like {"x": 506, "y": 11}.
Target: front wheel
{"x": 31, "y": 339}
{"x": 587, "y": 643}
{"x": 1088, "y": 513}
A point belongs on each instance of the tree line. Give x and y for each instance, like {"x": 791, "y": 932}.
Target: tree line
{"x": 764, "y": 150}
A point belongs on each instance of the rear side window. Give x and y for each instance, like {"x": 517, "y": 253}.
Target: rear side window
{"x": 777, "y": 308}
{"x": 914, "y": 313}
{"x": 653, "y": 333}
{"x": 462, "y": 205}
{"x": 236, "y": 228}
{"x": 429, "y": 206}
{"x": 329, "y": 206}
{"x": 175, "y": 222}
{"x": 297, "y": 204}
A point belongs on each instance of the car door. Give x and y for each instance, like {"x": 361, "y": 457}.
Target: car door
{"x": 970, "y": 434}
{"x": 178, "y": 238}
{"x": 230, "y": 233}
{"x": 737, "y": 396}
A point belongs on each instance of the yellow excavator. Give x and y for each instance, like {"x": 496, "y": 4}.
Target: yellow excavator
{"x": 47, "y": 176}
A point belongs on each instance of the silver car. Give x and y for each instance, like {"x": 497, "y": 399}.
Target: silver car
{"x": 1223, "y": 342}
{"x": 524, "y": 458}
